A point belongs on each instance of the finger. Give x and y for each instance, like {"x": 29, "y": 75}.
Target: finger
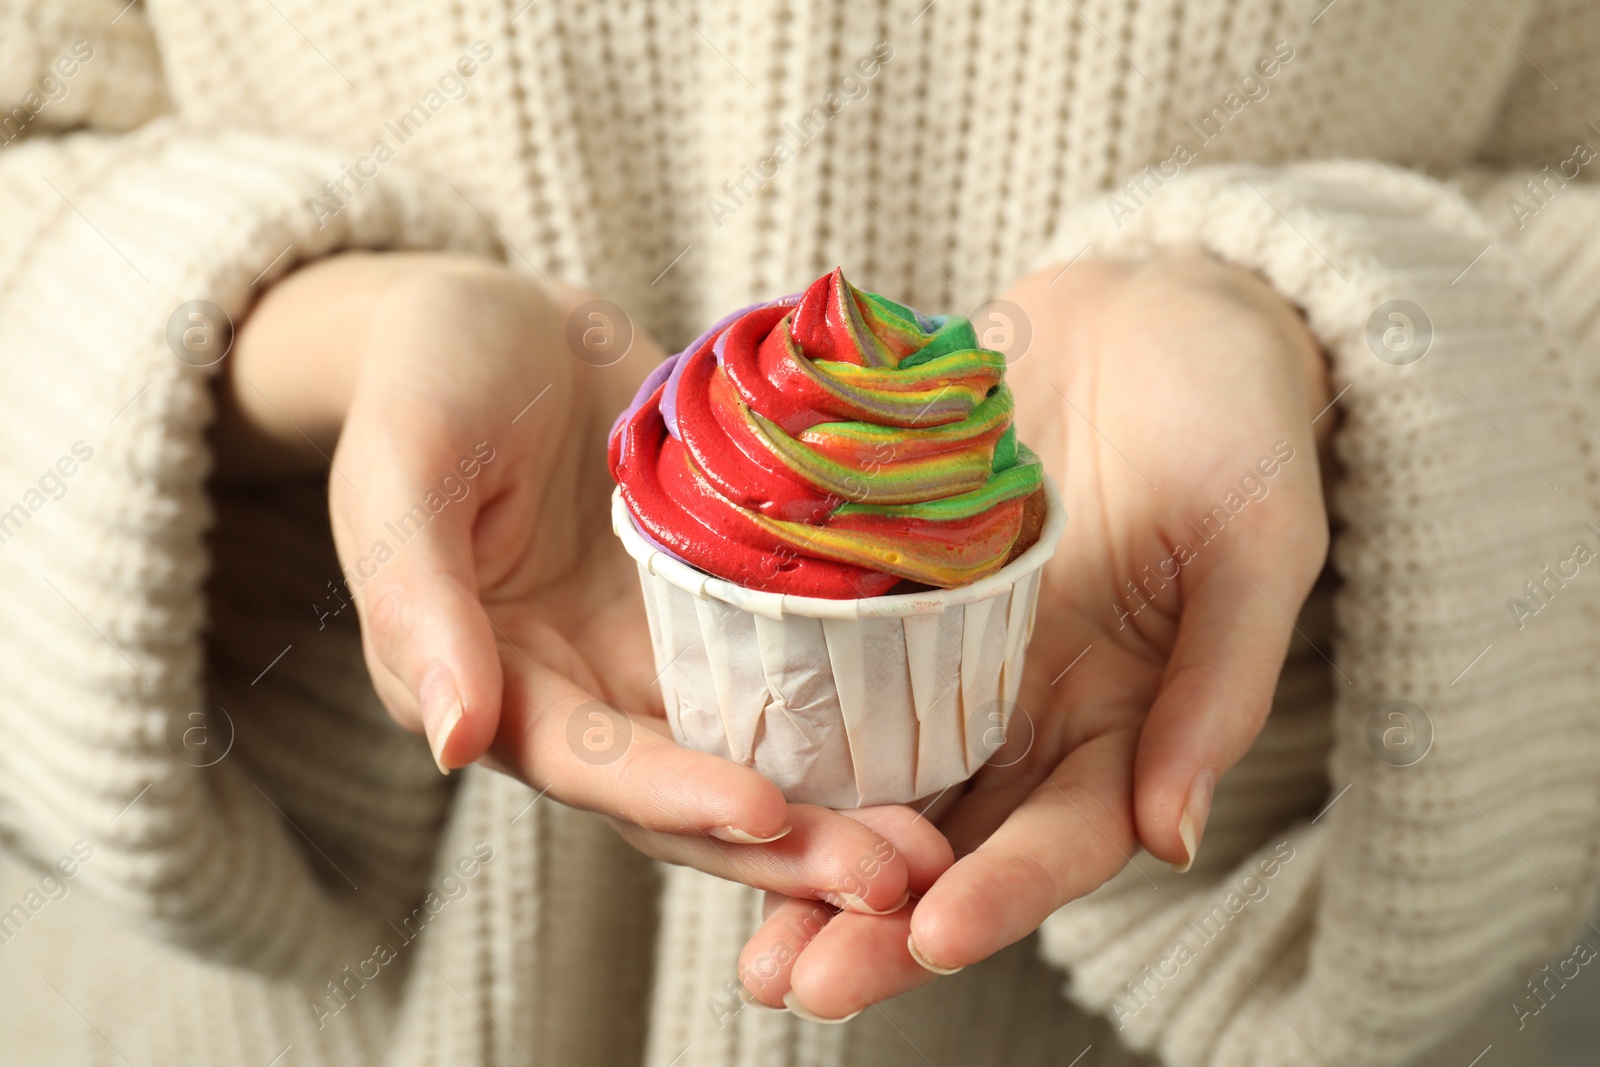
{"x": 769, "y": 956}
{"x": 1072, "y": 834}
{"x": 1213, "y": 701}
{"x": 427, "y": 640}
{"x": 908, "y": 835}
{"x": 587, "y": 754}
{"x": 854, "y": 961}
{"x": 790, "y": 923}
{"x": 1033, "y": 746}
{"x": 989, "y": 798}
{"x": 825, "y": 856}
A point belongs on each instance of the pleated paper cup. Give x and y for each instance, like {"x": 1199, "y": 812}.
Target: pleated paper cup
{"x": 842, "y": 703}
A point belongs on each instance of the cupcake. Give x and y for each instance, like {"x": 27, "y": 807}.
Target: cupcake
{"x": 839, "y": 538}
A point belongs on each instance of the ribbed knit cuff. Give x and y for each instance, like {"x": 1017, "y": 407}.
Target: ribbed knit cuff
{"x": 1465, "y": 474}
{"x": 103, "y": 241}
{"x": 76, "y": 63}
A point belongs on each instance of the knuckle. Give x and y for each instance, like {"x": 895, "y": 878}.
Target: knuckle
{"x": 1031, "y": 879}
{"x": 387, "y": 617}
{"x": 633, "y": 782}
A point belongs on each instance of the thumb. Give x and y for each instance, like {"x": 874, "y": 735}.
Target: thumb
{"x": 1213, "y": 701}
{"x": 428, "y": 642}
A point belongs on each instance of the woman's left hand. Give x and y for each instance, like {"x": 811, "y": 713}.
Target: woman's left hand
{"x": 499, "y": 615}
{"x": 1176, "y": 404}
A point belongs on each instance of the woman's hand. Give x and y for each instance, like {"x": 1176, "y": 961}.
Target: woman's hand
{"x": 1173, "y": 402}
{"x": 500, "y": 616}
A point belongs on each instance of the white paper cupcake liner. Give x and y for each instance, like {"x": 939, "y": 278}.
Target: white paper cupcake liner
{"x": 842, "y": 703}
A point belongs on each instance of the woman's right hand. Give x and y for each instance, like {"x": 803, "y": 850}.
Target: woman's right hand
{"x": 470, "y": 503}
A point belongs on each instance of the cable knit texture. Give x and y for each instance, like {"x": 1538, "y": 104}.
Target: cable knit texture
{"x": 161, "y": 153}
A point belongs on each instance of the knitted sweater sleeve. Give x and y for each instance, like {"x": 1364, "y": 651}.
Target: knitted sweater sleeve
{"x": 1418, "y": 884}
{"x": 107, "y": 240}
{"x": 78, "y": 62}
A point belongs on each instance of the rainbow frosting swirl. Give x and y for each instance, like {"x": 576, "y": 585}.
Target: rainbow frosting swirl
{"x": 828, "y": 444}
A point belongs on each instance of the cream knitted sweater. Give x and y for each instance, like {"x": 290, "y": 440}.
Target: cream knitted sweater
{"x": 320, "y": 895}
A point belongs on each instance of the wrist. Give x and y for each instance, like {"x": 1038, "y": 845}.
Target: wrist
{"x": 1067, "y": 305}
{"x": 288, "y": 381}
{"x": 1288, "y": 324}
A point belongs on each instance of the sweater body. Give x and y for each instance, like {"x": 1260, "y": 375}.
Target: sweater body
{"x": 309, "y": 888}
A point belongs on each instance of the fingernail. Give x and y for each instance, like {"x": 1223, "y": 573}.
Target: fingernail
{"x": 923, "y": 961}
{"x": 441, "y": 705}
{"x": 764, "y": 1007}
{"x": 855, "y": 903}
{"x": 734, "y": 835}
{"x": 1193, "y": 821}
{"x": 442, "y": 737}
{"x": 792, "y": 1002}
